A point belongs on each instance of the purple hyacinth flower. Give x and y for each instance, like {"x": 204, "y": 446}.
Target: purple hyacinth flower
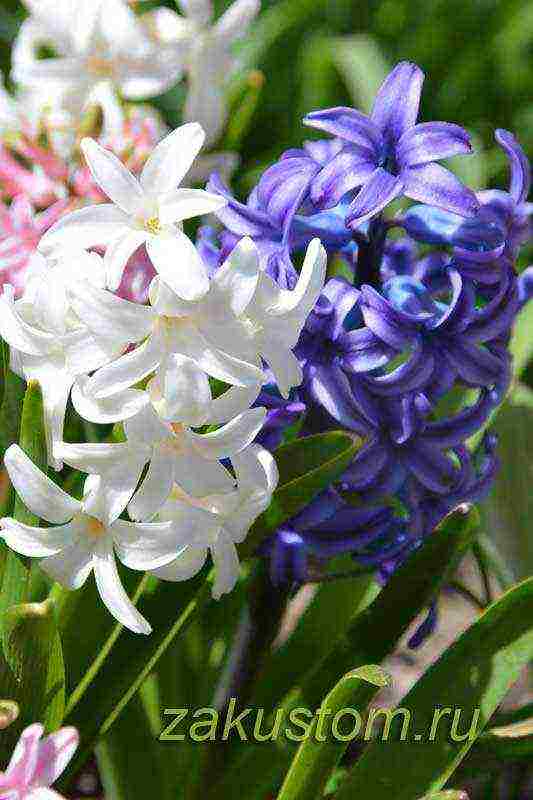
{"x": 327, "y": 527}
{"x": 502, "y": 224}
{"x": 250, "y": 219}
{"x": 389, "y": 154}
{"x": 525, "y": 286}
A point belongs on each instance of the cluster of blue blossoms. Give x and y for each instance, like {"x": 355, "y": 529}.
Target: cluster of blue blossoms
{"x": 424, "y": 313}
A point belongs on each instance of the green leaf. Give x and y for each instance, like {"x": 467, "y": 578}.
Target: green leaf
{"x": 375, "y": 632}
{"x": 10, "y": 414}
{"x": 34, "y": 675}
{"x": 362, "y": 65}
{"x": 127, "y": 659}
{"x": 508, "y": 510}
{"x": 16, "y": 577}
{"x": 314, "y": 635}
{"x": 506, "y": 743}
{"x": 522, "y": 341}
{"x": 306, "y": 467}
{"x": 321, "y": 751}
{"x": 473, "y": 675}
{"x": 242, "y": 111}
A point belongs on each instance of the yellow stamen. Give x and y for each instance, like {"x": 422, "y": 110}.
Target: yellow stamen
{"x": 95, "y": 529}
{"x": 153, "y": 225}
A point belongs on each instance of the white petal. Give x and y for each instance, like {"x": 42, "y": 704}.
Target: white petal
{"x": 189, "y": 562}
{"x": 185, "y": 204}
{"x": 155, "y": 488}
{"x": 190, "y": 342}
{"x": 72, "y": 566}
{"x": 86, "y": 227}
{"x": 119, "y": 466}
{"x": 172, "y": 159}
{"x": 109, "y": 409}
{"x": 111, "y": 317}
{"x": 94, "y": 458}
{"x": 200, "y": 11}
{"x": 115, "y": 180}
{"x": 85, "y": 352}
{"x": 118, "y": 253}
{"x": 43, "y": 793}
{"x": 39, "y": 493}
{"x": 256, "y": 469}
{"x": 112, "y": 592}
{"x": 232, "y": 437}
{"x": 55, "y": 385}
{"x": 18, "y": 334}
{"x": 284, "y": 364}
{"x": 303, "y": 297}
{"x": 178, "y": 262}
{"x": 227, "y": 566}
{"x": 206, "y": 96}
{"x": 233, "y": 402}
{"x": 181, "y": 391}
{"x": 147, "y": 428}
{"x": 234, "y": 283}
{"x": 146, "y": 546}
{"x": 151, "y": 77}
{"x": 34, "y": 542}
{"x": 198, "y": 477}
{"x": 126, "y": 370}
{"x": 166, "y": 302}
{"x": 237, "y": 19}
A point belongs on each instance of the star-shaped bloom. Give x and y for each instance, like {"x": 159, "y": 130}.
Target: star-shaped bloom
{"x": 389, "y": 154}
{"x": 179, "y": 339}
{"x": 176, "y": 453}
{"x": 222, "y": 521}
{"x": 85, "y": 535}
{"x": 148, "y": 210}
{"x": 48, "y": 342}
{"x": 37, "y": 763}
{"x": 99, "y": 44}
{"x": 268, "y": 324}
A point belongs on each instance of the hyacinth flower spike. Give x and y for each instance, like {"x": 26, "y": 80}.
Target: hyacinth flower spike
{"x": 149, "y": 210}
{"x": 37, "y": 762}
{"x": 389, "y": 154}
{"x": 85, "y": 535}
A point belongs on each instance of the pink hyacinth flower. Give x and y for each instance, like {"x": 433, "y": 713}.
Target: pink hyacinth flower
{"x": 20, "y": 230}
{"x": 15, "y": 179}
{"x": 37, "y": 763}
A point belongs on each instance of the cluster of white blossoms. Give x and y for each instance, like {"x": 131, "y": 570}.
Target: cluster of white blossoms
{"x": 70, "y": 54}
{"x": 187, "y": 492}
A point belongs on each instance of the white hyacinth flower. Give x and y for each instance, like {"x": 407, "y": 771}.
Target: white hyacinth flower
{"x": 148, "y": 210}
{"x": 180, "y": 456}
{"x": 48, "y": 342}
{"x": 179, "y": 339}
{"x": 85, "y": 536}
{"x": 210, "y": 61}
{"x": 221, "y": 521}
{"x": 266, "y": 324}
{"x": 100, "y": 46}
